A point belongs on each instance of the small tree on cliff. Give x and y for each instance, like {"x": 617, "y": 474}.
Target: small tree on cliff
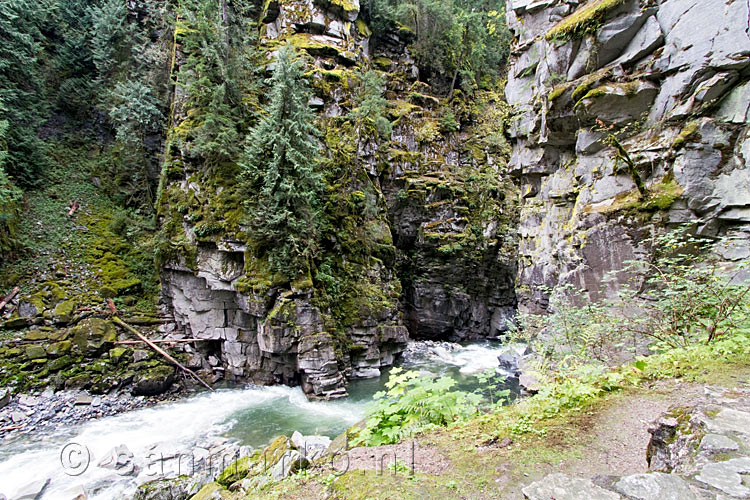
{"x": 280, "y": 173}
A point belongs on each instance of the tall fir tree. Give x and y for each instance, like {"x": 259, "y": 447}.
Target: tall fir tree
{"x": 9, "y": 193}
{"x": 216, "y": 74}
{"x": 280, "y": 173}
{"x": 22, "y": 86}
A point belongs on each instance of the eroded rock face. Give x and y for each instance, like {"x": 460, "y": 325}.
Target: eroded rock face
{"x": 276, "y": 339}
{"x": 670, "y": 79}
{"x": 424, "y": 238}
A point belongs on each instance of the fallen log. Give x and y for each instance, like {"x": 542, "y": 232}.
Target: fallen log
{"x": 10, "y": 428}
{"x": 159, "y": 350}
{"x": 10, "y": 296}
{"x": 162, "y": 341}
{"x": 142, "y": 321}
{"x": 73, "y": 207}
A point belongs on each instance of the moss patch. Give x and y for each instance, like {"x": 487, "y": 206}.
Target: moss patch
{"x": 586, "y": 19}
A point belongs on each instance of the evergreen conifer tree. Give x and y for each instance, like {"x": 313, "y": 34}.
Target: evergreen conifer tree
{"x": 369, "y": 111}
{"x": 21, "y": 86}
{"x": 280, "y": 173}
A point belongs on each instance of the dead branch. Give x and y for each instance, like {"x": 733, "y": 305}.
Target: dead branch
{"x": 112, "y": 307}
{"x": 159, "y": 350}
{"x": 10, "y": 296}
{"x": 162, "y": 341}
{"x": 73, "y": 207}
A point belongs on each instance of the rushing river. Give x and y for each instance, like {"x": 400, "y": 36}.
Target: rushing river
{"x": 251, "y": 416}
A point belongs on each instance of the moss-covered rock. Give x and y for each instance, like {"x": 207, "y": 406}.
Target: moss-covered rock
{"x": 63, "y": 311}
{"x": 153, "y": 381}
{"x": 94, "y": 336}
{"x": 59, "y": 348}
{"x": 258, "y": 464}
{"x": 117, "y": 354}
{"x": 35, "y": 351}
{"x": 60, "y": 363}
{"x": 37, "y": 334}
{"x": 211, "y": 491}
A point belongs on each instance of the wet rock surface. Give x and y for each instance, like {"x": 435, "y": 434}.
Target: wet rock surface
{"x": 698, "y": 452}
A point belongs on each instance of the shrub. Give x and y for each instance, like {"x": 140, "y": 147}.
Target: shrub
{"x": 681, "y": 296}
{"x": 414, "y": 403}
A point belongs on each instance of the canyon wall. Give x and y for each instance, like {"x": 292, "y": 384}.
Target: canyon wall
{"x": 609, "y": 94}
{"x": 421, "y": 225}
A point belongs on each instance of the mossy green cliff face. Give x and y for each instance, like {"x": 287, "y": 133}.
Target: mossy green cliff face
{"x": 418, "y": 237}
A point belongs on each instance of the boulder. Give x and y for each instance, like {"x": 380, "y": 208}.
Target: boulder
{"x": 59, "y": 348}
{"x": 179, "y": 488}
{"x": 63, "y": 311}
{"x": 153, "y": 381}
{"x": 211, "y": 491}
{"x": 311, "y": 447}
{"x": 562, "y": 487}
{"x": 4, "y": 398}
{"x": 530, "y": 382}
{"x": 718, "y": 443}
{"x": 655, "y": 486}
{"x": 290, "y": 463}
{"x": 120, "y": 460}
{"x": 35, "y": 351}
{"x": 94, "y": 336}
{"x": 259, "y": 464}
{"x": 727, "y": 476}
{"x": 729, "y": 420}
{"x": 84, "y": 399}
{"x": 32, "y": 491}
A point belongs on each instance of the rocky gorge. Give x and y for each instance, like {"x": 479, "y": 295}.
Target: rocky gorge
{"x": 423, "y": 248}
{"x": 621, "y": 120}
{"x": 617, "y": 120}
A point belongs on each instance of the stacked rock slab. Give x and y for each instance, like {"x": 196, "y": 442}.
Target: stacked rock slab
{"x": 670, "y": 78}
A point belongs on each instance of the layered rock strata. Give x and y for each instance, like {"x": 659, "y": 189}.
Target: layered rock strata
{"x": 669, "y": 80}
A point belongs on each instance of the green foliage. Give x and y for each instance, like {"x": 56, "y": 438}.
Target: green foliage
{"x": 683, "y": 295}
{"x": 21, "y": 86}
{"x": 111, "y": 37}
{"x": 135, "y": 114}
{"x": 216, "y": 74}
{"x": 448, "y": 122}
{"x": 74, "y": 69}
{"x": 414, "y": 403}
{"x": 457, "y": 41}
{"x": 10, "y": 195}
{"x": 370, "y": 106}
{"x": 280, "y": 177}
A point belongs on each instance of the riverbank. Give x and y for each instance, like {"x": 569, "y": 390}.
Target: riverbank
{"x": 581, "y": 427}
{"x": 197, "y": 427}
{"x": 48, "y": 411}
